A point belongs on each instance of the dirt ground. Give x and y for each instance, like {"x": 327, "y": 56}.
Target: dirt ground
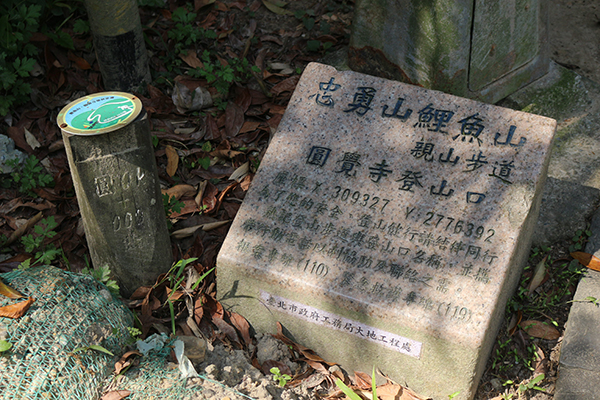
{"x": 574, "y": 34}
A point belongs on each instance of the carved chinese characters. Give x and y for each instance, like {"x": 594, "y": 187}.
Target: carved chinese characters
{"x": 396, "y": 207}
{"x": 118, "y": 193}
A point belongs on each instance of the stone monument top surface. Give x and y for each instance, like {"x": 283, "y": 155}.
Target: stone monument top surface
{"x": 392, "y": 201}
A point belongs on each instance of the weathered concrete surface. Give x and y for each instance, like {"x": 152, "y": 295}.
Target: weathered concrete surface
{"x": 378, "y": 221}
{"x": 579, "y": 370}
{"x": 566, "y": 207}
{"x": 118, "y": 192}
{"x": 479, "y": 49}
{"x": 573, "y": 191}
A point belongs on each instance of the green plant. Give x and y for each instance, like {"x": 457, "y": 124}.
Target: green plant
{"x": 222, "y": 75}
{"x": 282, "y": 379}
{"x": 307, "y": 18}
{"x": 580, "y": 239}
{"x": 171, "y": 205}
{"x": 103, "y": 275}
{"x": 351, "y": 393}
{"x": 588, "y": 299}
{"x": 29, "y": 175}
{"x": 4, "y": 346}
{"x": 184, "y": 33}
{"x": 19, "y": 20}
{"x": 504, "y": 355}
{"x": 151, "y": 3}
{"x": 133, "y": 332}
{"x": 32, "y": 242}
{"x": 17, "y": 23}
{"x": 174, "y": 278}
{"x": 94, "y": 347}
{"x": 347, "y": 391}
{"x": 81, "y": 27}
{"x": 532, "y": 384}
{"x": 453, "y": 395}
{"x": 562, "y": 275}
{"x": 317, "y": 45}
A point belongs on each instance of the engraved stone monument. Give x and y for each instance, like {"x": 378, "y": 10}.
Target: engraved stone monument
{"x": 387, "y": 226}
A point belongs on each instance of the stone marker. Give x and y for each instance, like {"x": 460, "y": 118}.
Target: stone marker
{"x": 387, "y": 226}
{"x": 479, "y": 49}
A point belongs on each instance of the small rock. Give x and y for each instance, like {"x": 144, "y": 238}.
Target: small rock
{"x": 268, "y": 349}
{"x": 194, "y": 348}
{"x": 496, "y": 383}
{"x": 7, "y": 153}
{"x": 212, "y": 371}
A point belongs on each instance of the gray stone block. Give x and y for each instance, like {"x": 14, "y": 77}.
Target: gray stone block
{"x": 479, "y": 49}
{"x": 577, "y": 384}
{"x": 579, "y": 369}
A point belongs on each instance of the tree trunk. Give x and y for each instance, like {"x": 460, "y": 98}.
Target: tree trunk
{"x": 119, "y": 44}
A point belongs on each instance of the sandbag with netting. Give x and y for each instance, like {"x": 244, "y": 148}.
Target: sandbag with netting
{"x": 71, "y": 311}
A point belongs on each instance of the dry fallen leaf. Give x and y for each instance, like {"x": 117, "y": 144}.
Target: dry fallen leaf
{"x": 186, "y": 99}
{"x": 191, "y": 59}
{"x": 408, "y": 394}
{"x": 198, "y": 4}
{"x": 587, "y": 260}
{"x": 16, "y": 310}
{"x": 126, "y": 360}
{"x": 250, "y": 126}
{"x": 241, "y": 172}
{"x": 201, "y": 188}
{"x": 225, "y": 153}
{"x": 24, "y": 228}
{"x": 514, "y": 323}
{"x": 189, "y": 206}
{"x": 540, "y": 330}
{"x": 540, "y": 364}
{"x": 276, "y": 7}
{"x": 179, "y": 191}
{"x": 81, "y": 62}
{"x": 172, "y": 160}
{"x": 186, "y": 232}
{"x": 31, "y": 140}
{"x": 9, "y": 292}
{"x": 115, "y": 395}
{"x": 538, "y": 276}
{"x": 362, "y": 380}
{"x": 389, "y": 391}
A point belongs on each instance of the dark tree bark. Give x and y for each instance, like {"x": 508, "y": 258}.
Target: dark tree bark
{"x": 119, "y": 44}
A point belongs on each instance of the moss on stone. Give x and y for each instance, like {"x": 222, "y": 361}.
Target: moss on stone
{"x": 558, "y": 100}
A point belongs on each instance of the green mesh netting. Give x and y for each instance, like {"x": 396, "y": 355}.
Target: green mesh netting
{"x": 70, "y": 311}
{"x": 156, "y": 378}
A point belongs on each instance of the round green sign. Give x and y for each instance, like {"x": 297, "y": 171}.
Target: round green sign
{"x": 99, "y": 113}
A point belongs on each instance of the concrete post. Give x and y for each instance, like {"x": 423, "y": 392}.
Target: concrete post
{"x": 480, "y": 49}
{"x": 110, "y": 154}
